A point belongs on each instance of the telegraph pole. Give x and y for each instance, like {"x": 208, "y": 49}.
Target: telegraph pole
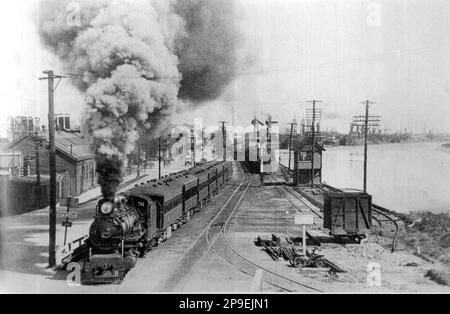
{"x": 139, "y": 160}
{"x": 38, "y": 168}
{"x": 193, "y": 147}
{"x": 291, "y": 137}
{"x": 269, "y": 124}
{"x": 52, "y": 163}
{"x": 13, "y": 131}
{"x": 159, "y": 158}
{"x": 38, "y": 162}
{"x": 224, "y": 136}
{"x": 255, "y": 123}
{"x": 313, "y": 131}
{"x": 366, "y": 131}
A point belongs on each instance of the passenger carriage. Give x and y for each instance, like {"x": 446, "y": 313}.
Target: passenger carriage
{"x": 204, "y": 190}
{"x": 191, "y": 199}
{"x": 167, "y": 194}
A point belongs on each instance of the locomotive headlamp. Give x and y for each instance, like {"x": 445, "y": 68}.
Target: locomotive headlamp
{"x": 107, "y": 208}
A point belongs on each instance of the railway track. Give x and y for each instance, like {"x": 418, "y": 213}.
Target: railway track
{"x": 221, "y": 247}
{"x": 381, "y": 211}
{"x": 298, "y": 197}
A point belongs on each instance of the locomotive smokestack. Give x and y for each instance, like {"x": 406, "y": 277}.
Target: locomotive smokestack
{"x": 110, "y": 176}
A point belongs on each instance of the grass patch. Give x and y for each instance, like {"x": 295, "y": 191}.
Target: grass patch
{"x": 439, "y": 277}
{"x": 430, "y": 232}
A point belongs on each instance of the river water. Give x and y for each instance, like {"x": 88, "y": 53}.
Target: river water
{"x": 402, "y": 177}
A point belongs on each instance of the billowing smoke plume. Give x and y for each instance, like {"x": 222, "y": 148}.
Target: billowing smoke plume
{"x": 130, "y": 58}
{"x": 207, "y": 59}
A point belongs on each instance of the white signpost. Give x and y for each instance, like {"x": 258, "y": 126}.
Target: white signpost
{"x": 62, "y": 213}
{"x": 304, "y": 220}
{"x": 70, "y": 203}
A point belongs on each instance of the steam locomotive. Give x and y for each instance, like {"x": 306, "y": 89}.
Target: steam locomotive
{"x": 128, "y": 226}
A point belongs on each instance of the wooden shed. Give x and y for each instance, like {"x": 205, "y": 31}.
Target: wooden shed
{"x": 304, "y": 155}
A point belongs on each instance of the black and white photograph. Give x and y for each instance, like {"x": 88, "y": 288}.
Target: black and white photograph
{"x": 225, "y": 152}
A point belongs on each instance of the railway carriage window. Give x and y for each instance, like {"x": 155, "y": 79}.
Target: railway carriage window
{"x": 168, "y": 207}
{"x": 193, "y": 192}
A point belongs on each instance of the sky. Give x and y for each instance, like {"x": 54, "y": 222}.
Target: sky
{"x": 395, "y": 53}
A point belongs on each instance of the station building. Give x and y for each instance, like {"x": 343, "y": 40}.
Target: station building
{"x": 75, "y": 163}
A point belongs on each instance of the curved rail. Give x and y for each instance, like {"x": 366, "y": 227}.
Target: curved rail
{"x": 379, "y": 210}
{"x": 244, "y": 186}
{"x": 227, "y": 242}
{"x": 211, "y": 245}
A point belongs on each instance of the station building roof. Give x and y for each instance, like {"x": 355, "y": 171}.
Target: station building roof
{"x": 72, "y": 145}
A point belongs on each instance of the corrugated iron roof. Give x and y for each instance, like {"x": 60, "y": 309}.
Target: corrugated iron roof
{"x": 73, "y": 145}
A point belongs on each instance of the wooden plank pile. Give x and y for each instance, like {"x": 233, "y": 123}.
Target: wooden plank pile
{"x": 278, "y": 249}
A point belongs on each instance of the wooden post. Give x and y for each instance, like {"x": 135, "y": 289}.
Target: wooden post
{"x": 38, "y": 170}
{"x": 38, "y": 162}
{"x": 366, "y": 129}
{"x": 313, "y": 130}
{"x": 193, "y": 143}
{"x": 290, "y": 144}
{"x": 296, "y": 178}
{"x": 366, "y": 134}
{"x": 139, "y": 161}
{"x": 304, "y": 220}
{"x": 304, "y": 239}
{"x": 67, "y": 221}
{"x": 313, "y": 144}
{"x": 224, "y": 138}
{"x": 52, "y": 164}
{"x": 159, "y": 158}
